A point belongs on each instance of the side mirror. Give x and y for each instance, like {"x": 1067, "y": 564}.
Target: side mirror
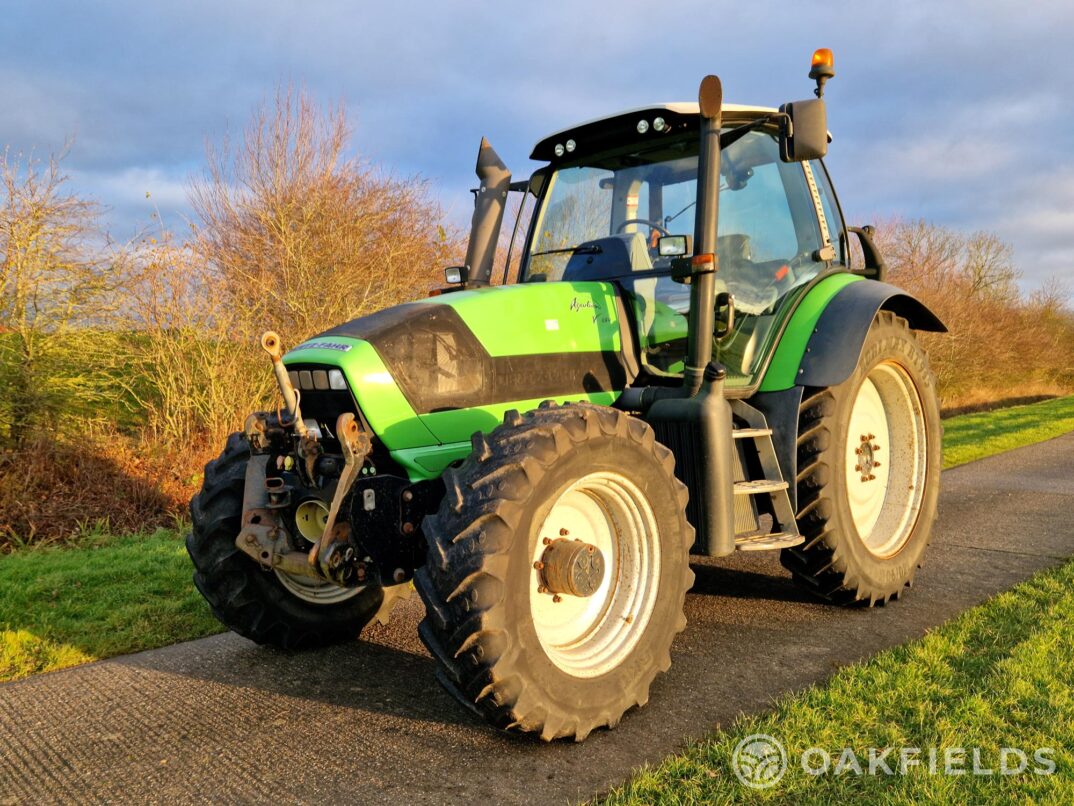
{"x": 805, "y": 135}
{"x": 457, "y": 275}
{"x": 673, "y": 245}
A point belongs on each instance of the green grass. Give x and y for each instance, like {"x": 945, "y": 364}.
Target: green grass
{"x": 60, "y": 607}
{"x": 975, "y": 436}
{"x": 999, "y": 675}
{"x": 109, "y": 596}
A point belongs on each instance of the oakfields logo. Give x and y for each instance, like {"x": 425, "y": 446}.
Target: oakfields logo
{"x": 760, "y": 761}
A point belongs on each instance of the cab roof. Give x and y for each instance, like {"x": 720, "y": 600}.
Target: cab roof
{"x": 677, "y": 116}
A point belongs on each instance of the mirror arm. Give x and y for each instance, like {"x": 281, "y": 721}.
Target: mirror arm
{"x": 737, "y": 133}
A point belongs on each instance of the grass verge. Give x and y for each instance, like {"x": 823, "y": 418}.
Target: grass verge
{"x": 999, "y": 675}
{"x": 64, "y": 606}
{"x": 975, "y": 436}
{"x": 60, "y": 607}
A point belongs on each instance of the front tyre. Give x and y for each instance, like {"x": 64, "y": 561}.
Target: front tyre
{"x": 289, "y": 612}
{"x": 557, "y": 570}
{"x": 869, "y": 461}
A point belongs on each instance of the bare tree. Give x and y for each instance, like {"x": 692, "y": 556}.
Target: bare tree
{"x": 302, "y": 234}
{"x": 53, "y": 291}
{"x": 1002, "y": 343}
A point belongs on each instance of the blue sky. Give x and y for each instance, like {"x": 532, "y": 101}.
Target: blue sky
{"x": 960, "y": 113}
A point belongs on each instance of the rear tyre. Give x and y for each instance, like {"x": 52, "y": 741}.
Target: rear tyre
{"x": 507, "y": 646}
{"x": 869, "y": 461}
{"x": 289, "y": 613}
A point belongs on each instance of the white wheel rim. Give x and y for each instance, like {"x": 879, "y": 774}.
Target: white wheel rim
{"x": 310, "y": 519}
{"x": 315, "y": 591}
{"x": 886, "y": 459}
{"x": 589, "y": 636}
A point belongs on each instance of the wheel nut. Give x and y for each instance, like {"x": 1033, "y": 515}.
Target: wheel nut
{"x": 871, "y": 477}
{"x": 251, "y": 539}
{"x": 857, "y": 468}
{"x": 557, "y": 599}
{"x": 876, "y": 463}
{"x": 538, "y": 565}
{"x": 542, "y": 589}
{"x": 876, "y": 447}
{"x": 546, "y": 541}
{"x": 563, "y": 533}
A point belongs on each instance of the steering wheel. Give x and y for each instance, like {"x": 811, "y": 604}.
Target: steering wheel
{"x": 653, "y": 224}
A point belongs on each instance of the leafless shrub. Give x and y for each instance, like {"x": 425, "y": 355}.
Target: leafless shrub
{"x": 55, "y": 295}
{"x": 189, "y": 373}
{"x": 1001, "y": 343}
{"x": 302, "y": 235}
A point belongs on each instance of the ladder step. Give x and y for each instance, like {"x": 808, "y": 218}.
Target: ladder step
{"x": 750, "y": 433}
{"x": 778, "y": 540}
{"x": 759, "y": 486}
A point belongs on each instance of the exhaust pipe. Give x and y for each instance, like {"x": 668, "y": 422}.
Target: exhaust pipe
{"x": 697, "y": 424}
{"x": 703, "y": 287}
{"x": 488, "y": 214}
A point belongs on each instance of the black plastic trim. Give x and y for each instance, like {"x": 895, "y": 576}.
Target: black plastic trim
{"x": 835, "y": 346}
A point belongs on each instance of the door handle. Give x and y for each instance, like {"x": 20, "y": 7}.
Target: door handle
{"x": 725, "y": 300}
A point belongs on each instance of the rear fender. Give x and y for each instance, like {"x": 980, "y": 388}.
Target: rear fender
{"x": 835, "y": 346}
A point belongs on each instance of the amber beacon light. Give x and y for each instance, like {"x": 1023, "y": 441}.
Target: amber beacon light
{"x": 822, "y": 68}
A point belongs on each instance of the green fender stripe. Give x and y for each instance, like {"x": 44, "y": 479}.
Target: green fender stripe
{"x": 782, "y": 372}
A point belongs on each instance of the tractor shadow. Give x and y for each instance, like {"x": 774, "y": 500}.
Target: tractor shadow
{"x": 745, "y": 576}
{"x": 368, "y": 675}
{"x": 389, "y": 674}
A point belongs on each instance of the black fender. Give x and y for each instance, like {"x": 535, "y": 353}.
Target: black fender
{"x": 835, "y": 346}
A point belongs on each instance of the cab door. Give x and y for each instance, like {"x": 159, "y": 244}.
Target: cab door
{"x": 773, "y": 240}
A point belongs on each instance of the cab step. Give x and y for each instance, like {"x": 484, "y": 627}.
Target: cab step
{"x": 750, "y": 433}
{"x": 774, "y": 541}
{"x": 759, "y": 486}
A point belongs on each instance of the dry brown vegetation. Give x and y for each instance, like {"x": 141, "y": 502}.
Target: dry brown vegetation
{"x": 123, "y": 366}
{"x": 1002, "y": 342}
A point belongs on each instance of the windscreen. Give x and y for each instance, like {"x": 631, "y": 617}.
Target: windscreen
{"x": 603, "y": 217}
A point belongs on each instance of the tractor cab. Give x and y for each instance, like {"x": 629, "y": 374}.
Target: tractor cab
{"x": 618, "y": 202}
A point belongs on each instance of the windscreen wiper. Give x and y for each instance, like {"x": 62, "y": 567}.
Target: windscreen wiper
{"x": 585, "y": 249}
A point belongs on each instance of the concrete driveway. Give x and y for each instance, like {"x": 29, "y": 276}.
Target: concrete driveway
{"x": 223, "y": 720}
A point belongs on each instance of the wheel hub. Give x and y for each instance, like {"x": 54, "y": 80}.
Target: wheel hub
{"x": 866, "y": 457}
{"x": 572, "y": 567}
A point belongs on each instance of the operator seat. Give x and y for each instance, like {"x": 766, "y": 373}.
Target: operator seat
{"x": 607, "y": 257}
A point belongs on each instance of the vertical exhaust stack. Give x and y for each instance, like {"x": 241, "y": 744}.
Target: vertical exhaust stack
{"x": 703, "y": 287}
{"x": 489, "y": 205}
{"x": 697, "y": 424}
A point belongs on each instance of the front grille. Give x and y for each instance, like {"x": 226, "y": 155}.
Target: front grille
{"x": 321, "y": 403}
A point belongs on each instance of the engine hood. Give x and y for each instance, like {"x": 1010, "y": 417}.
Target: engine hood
{"x": 439, "y": 369}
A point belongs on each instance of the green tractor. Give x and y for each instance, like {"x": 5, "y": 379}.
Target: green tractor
{"x": 685, "y": 361}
